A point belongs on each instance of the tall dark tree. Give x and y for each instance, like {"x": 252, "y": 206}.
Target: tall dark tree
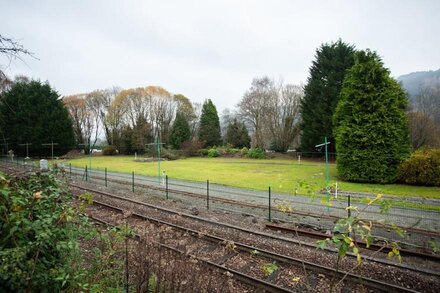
{"x": 322, "y": 93}
{"x": 33, "y": 112}
{"x": 237, "y": 135}
{"x": 126, "y": 142}
{"x": 180, "y": 131}
{"x": 209, "y": 129}
{"x": 371, "y": 129}
{"x": 141, "y": 134}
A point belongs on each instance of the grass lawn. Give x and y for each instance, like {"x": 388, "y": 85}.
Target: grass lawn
{"x": 281, "y": 174}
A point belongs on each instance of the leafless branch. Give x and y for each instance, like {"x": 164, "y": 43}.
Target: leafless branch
{"x": 13, "y": 49}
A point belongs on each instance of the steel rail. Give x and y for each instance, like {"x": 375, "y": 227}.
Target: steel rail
{"x": 264, "y": 207}
{"x": 257, "y": 233}
{"x": 358, "y": 279}
{"x": 255, "y": 282}
{"x": 363, "y": 244}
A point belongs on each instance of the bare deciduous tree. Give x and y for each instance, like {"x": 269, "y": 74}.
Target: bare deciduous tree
{"x": 114, "y": 119}
{"x": 283, "y": 116}
{"x": 424, "y": 120}
{"x": 11, "y": 49}
{"x": 85, "y": 110}
{"x": 163, "y": 111}
{"x": 196, "y": 121}
{"x": 227, "y": 117}
{"x": 254, "y": 105}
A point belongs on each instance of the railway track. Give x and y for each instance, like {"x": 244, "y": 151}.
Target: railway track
{"x": 259, "y": 284}
{"x": 307, "y": 233}
{"x": 380, "y": 260}
{"x": 400, "y": 289}
{"x": 223, "y": 254}
{"x": 253, "y": 234}
{"x": 373, "y": 246}
{"x": 379, "y": 227}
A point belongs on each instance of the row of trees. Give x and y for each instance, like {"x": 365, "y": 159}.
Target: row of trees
{"x": 128, "y": 118}
{"x": 349, "y": 98}
{"x": 134, "y": 117}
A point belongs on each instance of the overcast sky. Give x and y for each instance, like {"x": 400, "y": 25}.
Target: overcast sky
{"x": 209, "y": 49}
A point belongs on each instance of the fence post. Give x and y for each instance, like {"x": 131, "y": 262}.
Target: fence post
{"x": 207, "y": 194}
{"x": 270, "y": 205}
{"x": 132, "y": 181}
{"x": 87, "y": 173}
{"x": 70, "y": 169}
{"x": 348, "y": 205}
{"x": 105, "y": 176}
{"x": 166, "y": 186}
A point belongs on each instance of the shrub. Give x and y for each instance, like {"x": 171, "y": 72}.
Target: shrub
{"x": 203, "y": 152}
{"x": 169, "y": 154}
{"x": 192, "y": 148}
{"x": 212, "y": 153}
{"x": 109, "y": 150}
{"x": 244, "y": 151}
{"x": 234, "y": 151}
{"x": 38, "y": 243}
{"x": 256, "y": 153}
{"x": 422, "y": 168}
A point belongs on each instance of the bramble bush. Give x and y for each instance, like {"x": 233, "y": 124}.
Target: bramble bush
{"x": 38, "y": 243}
{"x": 422, "y": 168}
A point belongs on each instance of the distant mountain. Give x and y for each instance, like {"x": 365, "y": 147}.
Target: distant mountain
{"x": 414, "y": 81}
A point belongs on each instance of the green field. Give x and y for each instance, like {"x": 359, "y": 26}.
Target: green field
{"x": 282, "y": 175}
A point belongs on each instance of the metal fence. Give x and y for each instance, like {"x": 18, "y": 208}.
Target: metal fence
{"x": 423, "y": 225}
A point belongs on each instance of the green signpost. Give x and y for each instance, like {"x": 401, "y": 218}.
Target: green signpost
{"x": 158, "y": 146}
{"x": 327, "y": 176}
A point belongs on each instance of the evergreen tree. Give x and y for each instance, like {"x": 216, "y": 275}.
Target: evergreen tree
{"x": 126, "y": 146}
{"x": 245, "y": 137}
{"x": 141, "y": 135}
{"x": 322, "y": 93}
{"x": 237, "y": 135}
{"x": 33, "y": 112}
{"x": 180, "y": 131}
{"x": 209, "y": 129}
{"x": 371, "y": 129}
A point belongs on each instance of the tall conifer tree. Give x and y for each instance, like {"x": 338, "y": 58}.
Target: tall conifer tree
{"x": 322, "y": 93}
{"x": 32, "y": 112}
{"x": 180, "y": 131}
{"x": 371, "y": 129}
{"x": 209, "y": 129}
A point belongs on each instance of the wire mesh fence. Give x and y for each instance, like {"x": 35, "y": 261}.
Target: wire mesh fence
{"x": 300, "y": 210}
